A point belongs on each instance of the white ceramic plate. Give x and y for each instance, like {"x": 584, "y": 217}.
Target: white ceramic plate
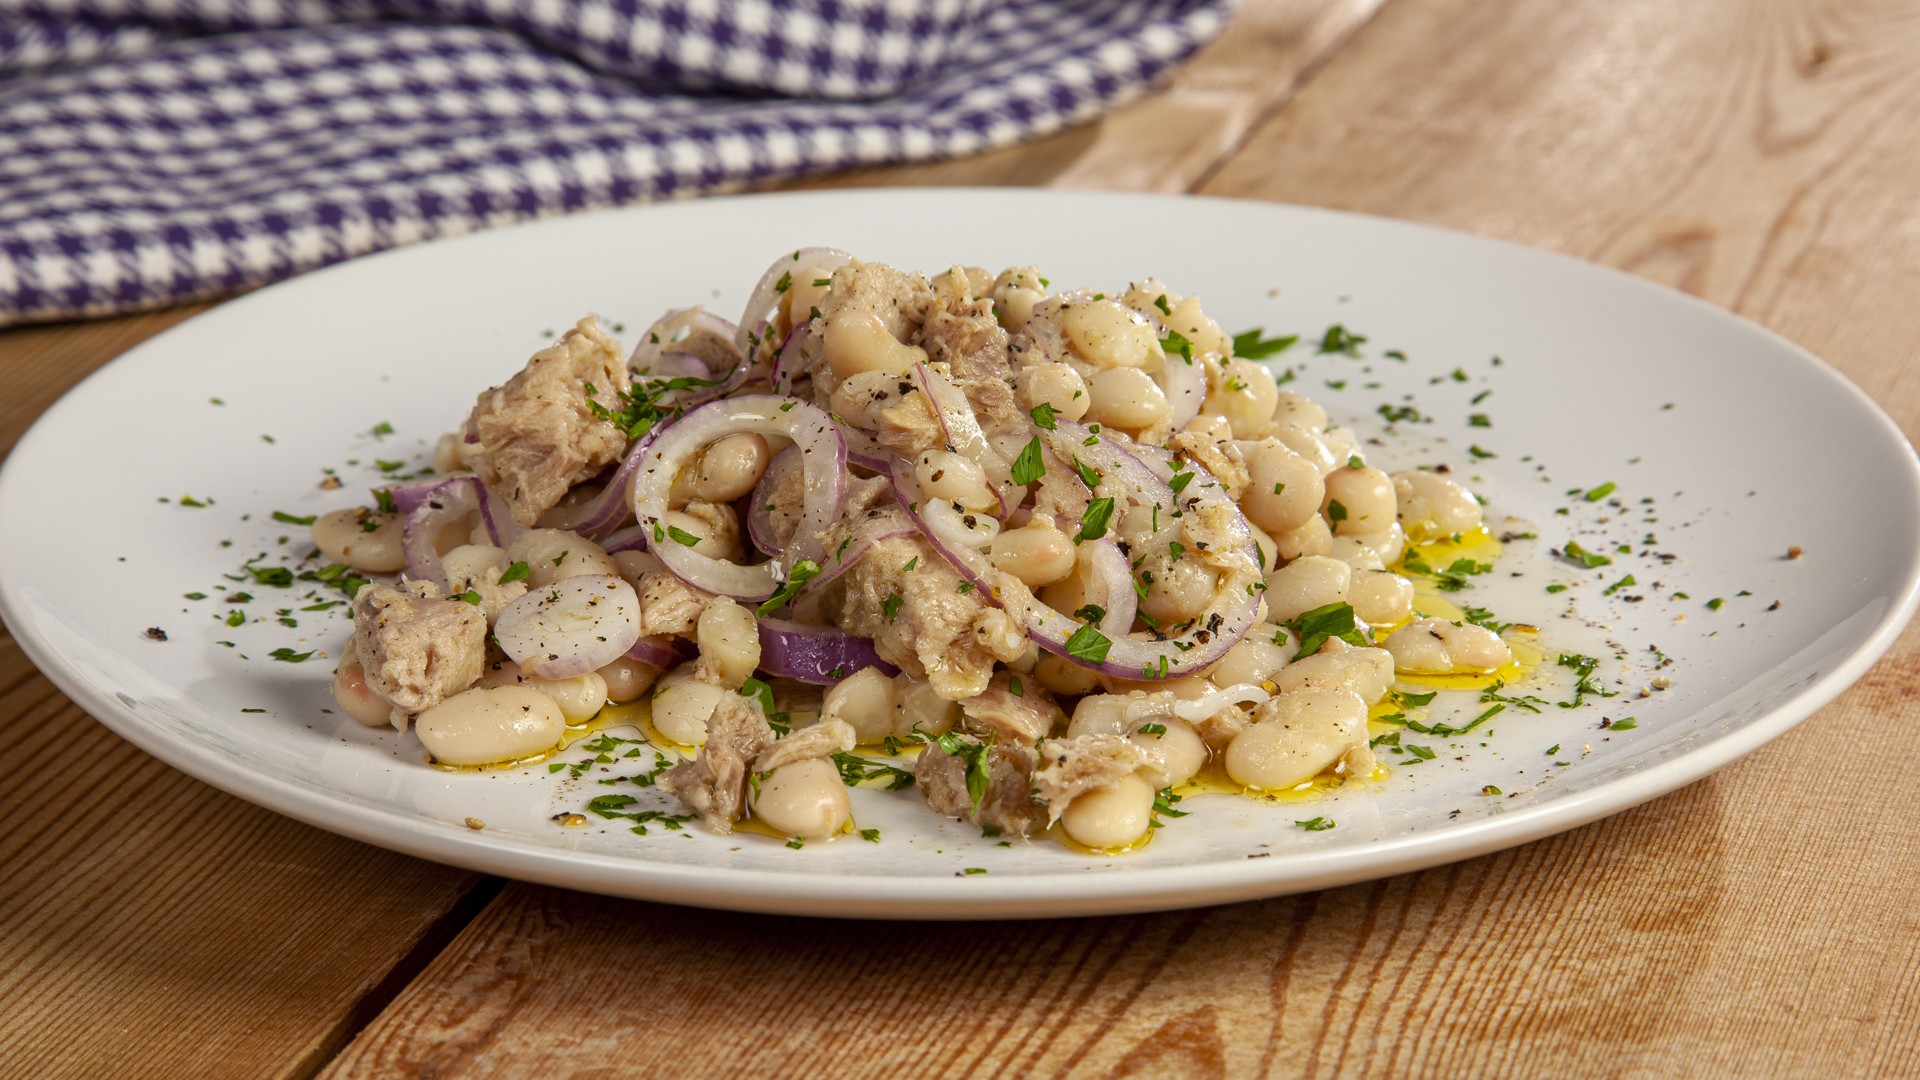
{"x": 1745, "y": 444}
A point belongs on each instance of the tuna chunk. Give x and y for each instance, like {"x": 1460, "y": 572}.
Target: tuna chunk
{"x": 669, "y": 605}
{"x": 1024, "y": 718}
{"x": 821, "y": 740}
{"x": 714, "y": 783}
{"x": 538, "y": 434}
{"x": 963, "y": 334}
{"x": 1072, "y": 767}
{"x": 418, "y": 648}
{"x": 939, "y": 631}
{"x": 1007, "y": 806}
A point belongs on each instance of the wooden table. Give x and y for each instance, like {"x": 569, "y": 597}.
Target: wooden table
{"x": 1762, "y": 154}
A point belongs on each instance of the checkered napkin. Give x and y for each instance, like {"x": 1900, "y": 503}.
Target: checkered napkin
{"x": 158, "y": 151}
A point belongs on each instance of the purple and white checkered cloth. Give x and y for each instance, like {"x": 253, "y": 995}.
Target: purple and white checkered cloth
{"x": 158, "y": 151}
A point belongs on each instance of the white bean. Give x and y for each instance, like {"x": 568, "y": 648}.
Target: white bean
{"x": 484, "y": 726}
{"x": 1380, "y": 597}
{"x": 1180, "y": 591}
{"x": 682, "y": 704}
{"x": 1107, "y": 335}
{"x": 1244, "y": 393}
{"x": 949, "y": 477}
{"x": 1015, "y": 292}
{"x": 714, "y": 527}
{"x": 627, "y": 679}
{"x": 1305, "y": 584}
{"x": 918, "y": 707}
{"x": 1434, "y": 646}
{"x": 864, "y": 700}
{"x": 1312, "y": 538}
{"x": 729, "y": 641}
{"x": 1309, "y": 445}
{"x": 729, "y": 467}
{"x": 805, "y": 292}
{"x": 362, "y": 538}
{"x": 1127, "y": 398}
{"x": 1110, "y": 816}
{"x": 1037, "y": 553}
{"x": 1358, "y": 501}
{"x": 1178, "y": 748}
{"x": 1292, "y": 410}
{"x": 580, "y": 698}
{"x": 1296, "y": 737}
{"x": 857, "y": 341}
{"x": 1057, "y": 385}
{"x": 1064, "y": 676}
{"x": 1253, "y": 659}
{"x": 1283, "y": 488}
{"x": 552, "y": 554}
{"x": 805, "y": 799}
{"x": 1433, "y": 506}
{"x": 1366, "y": 672}
{"x": 356, "y": 698}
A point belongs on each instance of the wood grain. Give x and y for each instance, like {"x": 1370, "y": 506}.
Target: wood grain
{"x": 1170, "y": 139}
{"x": 1760, "y": 922}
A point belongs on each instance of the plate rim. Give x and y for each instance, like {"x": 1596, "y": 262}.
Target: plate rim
{"x": 1023, "y": 895}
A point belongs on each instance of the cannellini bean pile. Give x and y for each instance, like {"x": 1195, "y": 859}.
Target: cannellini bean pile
{"x": 1330, "y": 529}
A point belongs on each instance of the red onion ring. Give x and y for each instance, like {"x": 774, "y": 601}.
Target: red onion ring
{"x": 820, "y": 655}
{"x": 760, "y": 527}
{"x": 665, "y": 333}
{"x": 764, "y": 301}
{"x": 655, "y": 651}
{"x": 1184, "y": 381}
{"x": 676, "y": 443}
{"x": 432, "y": 509}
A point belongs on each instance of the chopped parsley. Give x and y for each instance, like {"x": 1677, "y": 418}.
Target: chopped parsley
{"x": 1254, "y": 345}
{"x": 1029, "y": 467}
{"x": 1324, "y": 623}
{"x": 1339, "y": 339}
{"x": 1317, "y": 824}
{"x": 1043, "y": 417}
{"x": 803, "y": 571}
{"x": 1093, "y": 522}
{"x": 891, "y": 606}
{"x": 1089, "y": 645}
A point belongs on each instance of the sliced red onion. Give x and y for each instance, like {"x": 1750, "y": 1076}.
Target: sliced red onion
{"x": 820, "y": 655}
{"x": 787, "y": 364}
{"x": 1110, "y": 581}
{"x": 1185, "y": 382}
{"x": 961, "y": 431}
{"x": 429, "y": 510}
{"x": 945, "y": 534}
{"x": 665, "y": 333}
{"x": 631, "y": 538}
{"x": 760, "y": 525}
{"x": 1211, "y": 702}
{"x": 655, "y": 651}
{"x": 571, "y": 626}
{"x": 675, "y": 445}
{"x": 611, "y": 506}
{"x": 764, "y": 302}
{"x": 675, "y": 365}
{"x": 864, "y": 450}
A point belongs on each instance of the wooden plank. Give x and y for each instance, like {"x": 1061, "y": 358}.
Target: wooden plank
{"x": 155, "y": 926}
{"x": 150, "y": 925}
{"x": 1759, "y": 922}
{"x": 1171, "y": 138}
